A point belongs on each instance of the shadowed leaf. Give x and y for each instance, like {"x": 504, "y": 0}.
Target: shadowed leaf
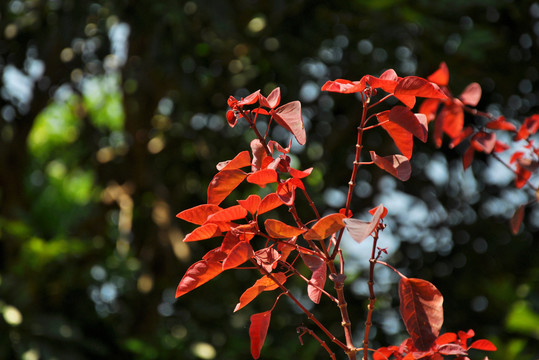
{"x": 396, "y": 165}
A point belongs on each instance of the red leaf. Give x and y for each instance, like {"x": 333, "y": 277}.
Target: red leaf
{"x": 198, "y": 274}
{"x": 289, "y": 117}
{"x": 263, "y": 177}
{"x": 411, "y": 86}
{"x": 270, "y": 202}
{"x": 440, "y": 76}
{"x": 429, "y": 108}
{"x": 250, "y": 204}
{"x": 396, "y": 165}
{"x": 280, "y": 230}
{"x": 467, "y": 131}
{"x": 325, "y": 227}
{"x": 286, "y": 191}
{"x": 421, "y": 310}
{"x": 522, "y": 177}
{"x": 379, "y": 211}
{"x": 198, "y": 214}
{"x": 238, "y": 255}
{"x": 471, "y": 94}
{"x": 452, "y": 349}
{"x": 299, "y": 174}
{"x": 232, "y": 213}
{"x": 500, "y": 146}
{"x": 241, "y": 160}
{"x": 359, "y": 230}
{"x": 483, "y": 344}
{"x": 484, "y": 142}
{"x": 529, "y": 127}
{"x": 516, "y": 219}
{"x": 413, "y": 123}
{"x": 223, "y": 183}
{"x": 501, "y": 124}
{"x": 267, "y": 258}
{"x": 468, "y": 156}
{"x": 259, "y": 152}
{"x": 250, "y": 99}
{"x": 446, "y": 338}
{"x": 452, "y": 118}
{"x": 342, "y": 86}
{"x": 318, "y": 279}
{"x": 401, "y": 137}
{"x": 272, "y": 100}
{"x": 258, "y": 331}
{"x": 203, "y": 232}
{"x": 265, "y": 283}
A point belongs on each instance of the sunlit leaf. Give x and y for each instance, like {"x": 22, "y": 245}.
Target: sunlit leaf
{"x": 241, "y": 160}
{"x": 483, "y": 344}
{"x": 359, "y": 230}
{"x": 429, "y": 108}
{"x": 501, "y": 124}
{"x": 273, "y": 99}
{"x": 265, "y": 283}
{"x": 263, "y": 177}
{"x": 223, "y": 183}
{"x": 258, "y": 331}
{"x": 232, "y": 213}
{"x": 299, "y": 174}
{"x": 440, "y": 76}
{"x": 471, "y": 94}
{"x": 413, "y": 123}
{"x": 270, "y": 202}
{"x": 279, "y": 230}
{"x": 239, "y": 254}
{"x": 452, "y": 119}
{"x": 199, "y": 214}
{"x": 484, "y": 142}
{"x": 203, "y": 232}
{"x": 325, "y": 227}
{"x": 468, "y": 157}
{"x": 198, "y": 274}
{"x": 251, "y": 203}
{"x": 342, "y": 86}
{"x": 421, "y": 310}
{"x": 402, "y": 137}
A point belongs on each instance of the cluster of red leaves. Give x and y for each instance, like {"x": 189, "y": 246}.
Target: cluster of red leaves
{"x": 400, "y": 122}
{"x": 422, "y": 312}
{"x": 448, "y": 115}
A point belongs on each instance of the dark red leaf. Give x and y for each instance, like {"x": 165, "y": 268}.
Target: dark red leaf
{"x": 198, "y": 274}
{"x": 223, "y": 183}
{"x": 468, "y": 157}
{"x": 289, "y": 117}
{"x": 258, "y": 331}
{"x": 199, "y": 214}
{"x": 267, "y": 258}
{"x": 416, "y": 124}
{"x": 279, "y": 230}
{"x": 516, "y": 219}
{"x": 522, "y": 177}
{"x": 484, "y": 142}
{"x": 500, "y": 146}
{"x": 396, "y": 165}
{"x": 421, "y": 310}
{"x": 452, "y": 349}
{"x": 318, "y": 280}
{"x": 411, "y": 86}
{"x": 471, "y": 94}
{"x": 467, "y": 131}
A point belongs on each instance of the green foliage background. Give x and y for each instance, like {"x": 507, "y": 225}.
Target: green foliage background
{"x": 112, "y": 120}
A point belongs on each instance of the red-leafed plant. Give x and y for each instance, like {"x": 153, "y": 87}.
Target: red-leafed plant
{"x": 251, "y": 233}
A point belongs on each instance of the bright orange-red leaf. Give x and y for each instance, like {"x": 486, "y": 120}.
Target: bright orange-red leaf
{"x": 203, "y": 232}
{"x": 416, "y": 124}
{"x": 421, "y": 310}
{"x": 429, "y": 108}
{"x": 500, "y": 146}
{"x": 483, "y": 344}
{"x": 199, "y": 214}
{"x": 501, "y": 124}
{"x": 378, "y": 212}
{"x": 251, "y": 203}
{"x": 522, "y": 177}
{"x": 529, "y": 127}
{"x": 289, "y": 117}
{"x": 241, "y": 160}
{"x": 401, "y": 137}
{"x": 279, "y": 230}
{"x": 396, "y": 165}
{"x": 446, "y": 338}
{"x": 452, "y": 117}
{"x": 258, "y": 331}
{"x": 270, "y": 202}
{"x": 325, "y": 227}
{"x": 440, "y": 76}
{"x": 223, "y": 183}
{"x": 238, "y": 255}
{"x": 198, "y": 274}
{"x": 471, "y": 94}
{"x": 263, "y": 177}
{"x": 342, "y": 86}
{"x": 516, "y": 219}
{"x": 299, "y": 174}
{"x": 250, "y": 99}
{"x": 265, "y": 283}
{"x": 232, "y": 213}
{"x": 287, "y": 191}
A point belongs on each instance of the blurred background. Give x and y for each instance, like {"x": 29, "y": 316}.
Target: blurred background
{"x": 112, "y": 121}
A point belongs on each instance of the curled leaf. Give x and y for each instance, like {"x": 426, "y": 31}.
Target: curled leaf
{"x": 396, "y": 165}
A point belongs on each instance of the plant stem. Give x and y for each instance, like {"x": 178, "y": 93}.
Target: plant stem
{"x": 372, "y": 296}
